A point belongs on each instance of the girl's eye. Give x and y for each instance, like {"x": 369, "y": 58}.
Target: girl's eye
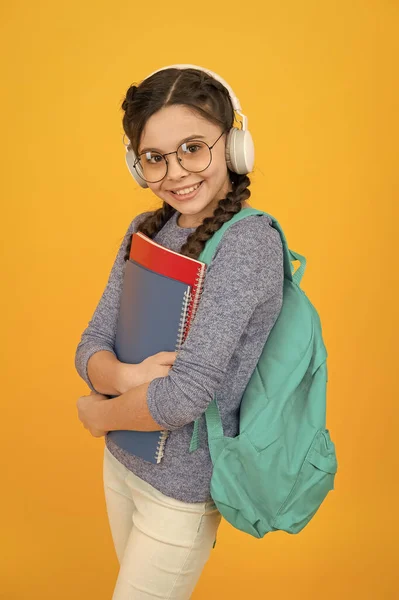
{"x": 192, "y": 148}
{"x": 152, "y": 158}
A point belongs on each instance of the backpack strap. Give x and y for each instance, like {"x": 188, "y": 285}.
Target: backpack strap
{"x": 206, "y": 257}
{"x": 289, "y": 255}
{"x": 297, "y": 276}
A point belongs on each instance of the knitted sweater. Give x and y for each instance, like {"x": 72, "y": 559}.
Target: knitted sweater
{"x": 240, "y": 302}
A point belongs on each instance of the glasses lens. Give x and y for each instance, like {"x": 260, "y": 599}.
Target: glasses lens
{"x": 152, "y": 166}
{"x": 194, "y": 156}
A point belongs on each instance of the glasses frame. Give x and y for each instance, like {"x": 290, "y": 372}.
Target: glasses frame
{"x": 175, "y": 152}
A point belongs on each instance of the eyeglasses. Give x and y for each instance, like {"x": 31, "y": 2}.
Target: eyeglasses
{"x": 194, "y": 156}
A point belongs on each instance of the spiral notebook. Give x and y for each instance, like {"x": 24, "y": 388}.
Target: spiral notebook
{"x": 171, "y": 264}
{"x": 160, "y": 295}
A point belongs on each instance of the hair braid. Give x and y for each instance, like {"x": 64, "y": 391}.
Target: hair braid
{"x": 225, "y": 210}
{"x": 152, "y": 224}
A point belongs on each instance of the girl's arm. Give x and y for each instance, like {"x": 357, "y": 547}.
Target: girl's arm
{"x": 105, "y": 372}
{"x": 247, "y": 269}
{"x": 100, "y": 332}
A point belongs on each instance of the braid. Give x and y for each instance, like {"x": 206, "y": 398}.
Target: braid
{"x": 126, "y": 104}
{"x": 152, "y": 224}
{"x": 225, "y": 210}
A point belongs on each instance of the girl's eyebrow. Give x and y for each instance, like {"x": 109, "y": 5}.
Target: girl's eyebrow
{"x": 195, "y": 136}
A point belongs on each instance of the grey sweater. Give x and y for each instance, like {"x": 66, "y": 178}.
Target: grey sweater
{"x": 240, "y": 302}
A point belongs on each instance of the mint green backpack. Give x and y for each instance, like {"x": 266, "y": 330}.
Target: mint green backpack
{"x": 277, "y": 471}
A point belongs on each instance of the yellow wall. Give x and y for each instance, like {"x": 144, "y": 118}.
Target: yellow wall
{"x": 317, "y": 82}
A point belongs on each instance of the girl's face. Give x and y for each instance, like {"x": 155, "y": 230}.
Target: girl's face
{"x": 164, "y": 132}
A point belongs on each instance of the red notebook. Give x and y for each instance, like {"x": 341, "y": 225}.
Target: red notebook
{"x": 164, "y": 261}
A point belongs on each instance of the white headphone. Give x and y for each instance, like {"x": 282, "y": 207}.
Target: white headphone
{"x": 240, "y": 151}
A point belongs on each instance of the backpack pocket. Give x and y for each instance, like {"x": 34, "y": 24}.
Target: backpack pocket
{"x": 315, "y": 479}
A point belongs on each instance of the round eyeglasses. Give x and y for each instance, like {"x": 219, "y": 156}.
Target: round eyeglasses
{"x": 194, "y": 156}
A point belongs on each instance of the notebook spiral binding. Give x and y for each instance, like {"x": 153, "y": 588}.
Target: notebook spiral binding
{"x": 161, "y": 445}
{"x": 183, "y": 318}
{"x": 199, "y": 283}
{"x": 190, "y": 304}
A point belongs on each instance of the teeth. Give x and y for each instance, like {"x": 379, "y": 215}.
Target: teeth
{"x": 187, "y": 190}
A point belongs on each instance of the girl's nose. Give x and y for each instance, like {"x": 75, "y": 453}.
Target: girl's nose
{"x": 175, "y": 170}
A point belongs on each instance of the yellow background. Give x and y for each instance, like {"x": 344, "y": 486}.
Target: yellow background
{"x": 318, "y": 82}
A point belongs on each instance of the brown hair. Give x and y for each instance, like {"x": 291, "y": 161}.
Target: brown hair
{"x": 202, "y": 93}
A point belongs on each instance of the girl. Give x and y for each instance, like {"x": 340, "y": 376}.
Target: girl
{"x": 162, "y": 517}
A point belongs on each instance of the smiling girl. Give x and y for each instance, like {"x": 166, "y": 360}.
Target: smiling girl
{"x": 162, "y": 517}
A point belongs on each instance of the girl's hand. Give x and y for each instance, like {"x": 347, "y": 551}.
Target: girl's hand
{"x": 157, "y": 365}
{"x": 87, "y": 412}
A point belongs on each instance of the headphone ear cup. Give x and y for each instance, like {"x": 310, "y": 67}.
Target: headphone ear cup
{"x": 240, "y": 151}
{"x": 134, "y": 171}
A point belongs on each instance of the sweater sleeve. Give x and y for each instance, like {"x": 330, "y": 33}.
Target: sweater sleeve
{"x": 101, "y": 330}
{"x": 246, "y": 270}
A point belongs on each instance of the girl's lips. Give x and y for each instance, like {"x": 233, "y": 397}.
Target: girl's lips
{"x": 187, "y": 196}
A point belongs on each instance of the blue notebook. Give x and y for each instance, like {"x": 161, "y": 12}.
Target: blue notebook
{"x": 151, "y": 319}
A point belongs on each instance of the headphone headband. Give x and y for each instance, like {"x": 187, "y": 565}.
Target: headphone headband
{"x": 234, "y": 100}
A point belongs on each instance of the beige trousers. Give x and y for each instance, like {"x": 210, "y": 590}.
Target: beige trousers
{"x": 162, "y": 544}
